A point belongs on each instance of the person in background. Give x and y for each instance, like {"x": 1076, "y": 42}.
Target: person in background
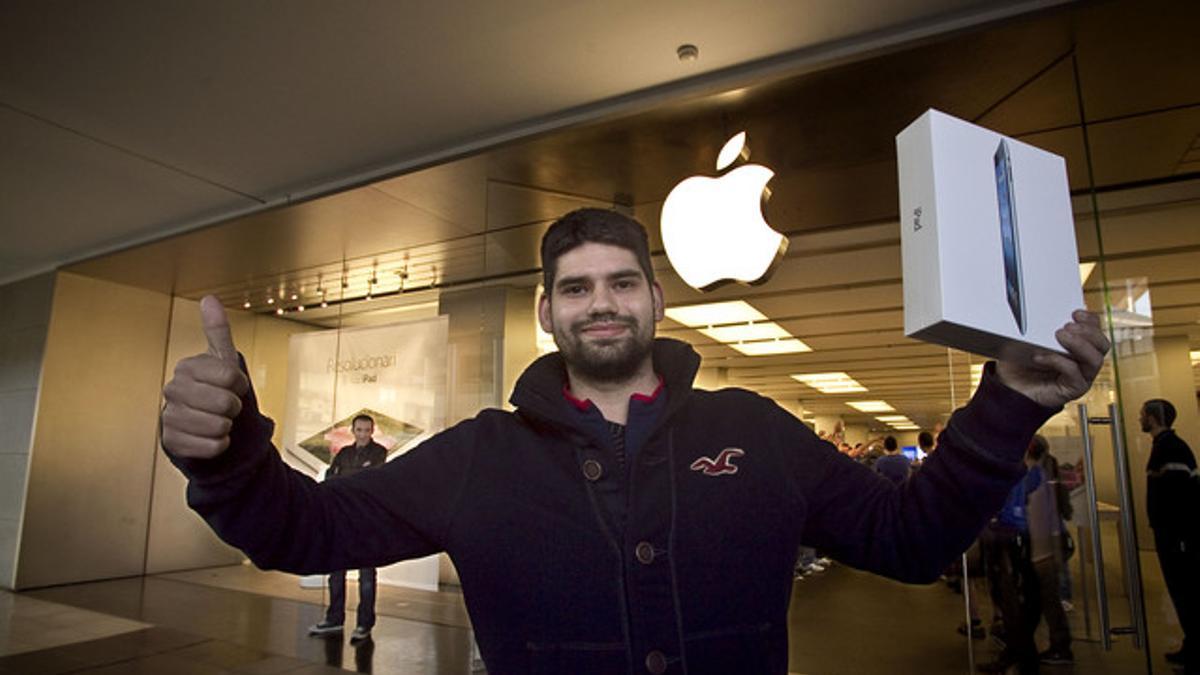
{"x": 924, "y": 444}
{"x": 363, "y": 454}
{"x": 1011, "y": 578}
{"x": 1046, "y": 553}
{"x": 893, "y": 465}
{"x": 1173, "y": 505}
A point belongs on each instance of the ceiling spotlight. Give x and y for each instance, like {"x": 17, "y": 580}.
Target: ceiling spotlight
{"x": 246, "y": 305}
{"x": 270, "y": 301}
{"x": 688, "y": 52}
{"x": 279, "y": 311}
{"x": 300, "y": 308}
{"x": 324, "y": 303}
{"x": 294, "y": 296}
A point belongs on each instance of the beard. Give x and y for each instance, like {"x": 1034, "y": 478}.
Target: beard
{"x": 605, "y": 360}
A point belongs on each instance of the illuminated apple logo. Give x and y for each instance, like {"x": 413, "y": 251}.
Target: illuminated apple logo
{"x": 713, "y": 228}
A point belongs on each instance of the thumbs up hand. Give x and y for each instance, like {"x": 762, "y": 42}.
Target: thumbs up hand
{"x": 205, "y": 395}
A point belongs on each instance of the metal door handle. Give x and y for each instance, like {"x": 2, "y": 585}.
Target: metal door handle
{"x": 1093, "y": 515}
{"x": 1133, "y": 571}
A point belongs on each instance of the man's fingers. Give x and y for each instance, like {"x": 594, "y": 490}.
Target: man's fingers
{"x": 216, "y": 329}
{"x": 188, "y": 393}
{"x": 1087, "y": 326}
{"x": 183, "y": 444}
{"x": 1070, "y": 375}
{"x": 196, "y": 422}
{"x": 209, "y": 369}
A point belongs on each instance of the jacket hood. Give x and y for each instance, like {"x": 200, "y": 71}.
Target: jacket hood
{"x": 539, "y": 390}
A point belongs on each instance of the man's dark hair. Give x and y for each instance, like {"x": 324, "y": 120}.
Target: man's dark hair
{"x": 1161, "y": 410}
{"x": 1038, "y": 447}
{"x": 890, "y": 444}
{"x": 925, "y": 439}
{"x": 599, "y": 226}
{"x": 362, "y": 418}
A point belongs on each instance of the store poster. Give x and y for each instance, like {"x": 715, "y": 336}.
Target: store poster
{"x": 394, "y": 373}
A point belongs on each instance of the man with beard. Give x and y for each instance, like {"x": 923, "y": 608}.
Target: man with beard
{"x": 1172, "y": 504}
{"x": 618, "y": 521}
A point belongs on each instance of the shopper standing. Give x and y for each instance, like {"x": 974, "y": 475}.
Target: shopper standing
{"x": 1046, "y": 552}
{"x": 363, "y": 454}
{"x": 1173, "y": 505}
{"x": 893, "y": 465}
{"x": 619, "y": 520}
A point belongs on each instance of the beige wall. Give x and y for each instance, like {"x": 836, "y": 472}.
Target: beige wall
{"x": 91, "y": 468}
{"x": 22, "y": 344}
{"x": 520, "y": 337}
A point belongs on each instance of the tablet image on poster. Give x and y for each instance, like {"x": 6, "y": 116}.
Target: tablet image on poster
{"x": 1009, "y": 240}
{"x": 390, "y": 432}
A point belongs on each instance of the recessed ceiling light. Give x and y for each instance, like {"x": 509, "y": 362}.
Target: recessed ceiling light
{"x": 891, "y": 418}
{"x": 768, "y": 330}
{"x": 766, "y": 347}
{"x": 1085, "y": 271}
{"x": 871, "y": 406}
{"x": 715, "y": 314}
{"x": 687, "y": 52}
{"x": 830, "y": 383}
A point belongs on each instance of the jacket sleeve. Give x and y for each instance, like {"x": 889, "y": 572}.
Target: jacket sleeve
{"x": 913, "y": 530}
{"x": 282, "y": 519}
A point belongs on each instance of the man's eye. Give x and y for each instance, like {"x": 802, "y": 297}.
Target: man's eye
{"x": 574, "y": 289}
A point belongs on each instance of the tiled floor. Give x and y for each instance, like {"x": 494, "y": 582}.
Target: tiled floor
{"x": 241, "y": 620}
{"x": 28, "y": 624}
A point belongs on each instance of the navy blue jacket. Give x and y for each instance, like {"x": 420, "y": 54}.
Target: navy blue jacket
{"x": 694, "y": 572}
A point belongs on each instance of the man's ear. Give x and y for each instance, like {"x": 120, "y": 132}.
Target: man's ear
{"x": 544, "y": 313}
{"x": 659, "y": 307}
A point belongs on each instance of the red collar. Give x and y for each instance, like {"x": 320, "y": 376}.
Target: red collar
{"x": 585, "y": 404}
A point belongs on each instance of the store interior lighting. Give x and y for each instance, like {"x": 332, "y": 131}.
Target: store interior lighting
{"x": 1085, "y": 271}
{"x": 830, "y": 383}
{"x": 871, "y": 406}
{"x": 738, "y": 325}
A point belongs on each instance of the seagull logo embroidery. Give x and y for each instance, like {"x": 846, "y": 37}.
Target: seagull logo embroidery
{"x": 720, "y": 466}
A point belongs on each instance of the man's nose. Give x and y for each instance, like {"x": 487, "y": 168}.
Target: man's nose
{"x": 603, "y": 301}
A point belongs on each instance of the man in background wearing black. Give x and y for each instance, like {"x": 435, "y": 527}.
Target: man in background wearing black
{"x": 1172, "y": 502}
{"x": 365, "y": 453}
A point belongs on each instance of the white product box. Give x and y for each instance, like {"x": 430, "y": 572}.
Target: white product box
{"x": 988, "y": 240}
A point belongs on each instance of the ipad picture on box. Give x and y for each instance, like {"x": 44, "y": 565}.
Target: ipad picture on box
{"x": 1009, "y": 240}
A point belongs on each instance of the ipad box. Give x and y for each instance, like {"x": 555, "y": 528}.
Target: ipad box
{"x": 987, "y": 240}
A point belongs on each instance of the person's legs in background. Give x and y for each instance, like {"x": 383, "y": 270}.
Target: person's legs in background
{"x": 335, "y": 615}
{"x": 1046, "y": 571}
{"x": 1180, "y": 567}
{"x": 366, "y": 602}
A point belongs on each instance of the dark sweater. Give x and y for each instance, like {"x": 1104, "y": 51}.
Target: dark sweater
{"x": 351, "y": 459}
{"x": 1172, "y": 488}
{"x": 698, "y": 575}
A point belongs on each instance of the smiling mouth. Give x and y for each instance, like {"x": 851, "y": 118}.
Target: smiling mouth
{"x": 605, "y": 329}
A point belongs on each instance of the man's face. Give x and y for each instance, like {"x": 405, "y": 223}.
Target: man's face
{"x": 362, "y": 430}
{"x": 601, "y": 311}
{"x": 1144, "y": 420}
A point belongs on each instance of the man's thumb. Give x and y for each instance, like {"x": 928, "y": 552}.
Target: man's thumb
{"x": 216, "y": 329}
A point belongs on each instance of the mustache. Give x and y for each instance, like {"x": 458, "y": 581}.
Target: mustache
{"x": 584, "y": 324}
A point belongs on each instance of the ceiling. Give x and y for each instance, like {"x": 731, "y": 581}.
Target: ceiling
{"x": 827, "y": 131}
{"x": 124, "y": 123}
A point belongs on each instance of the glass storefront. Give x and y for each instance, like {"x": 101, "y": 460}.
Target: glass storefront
{"x": 413, "y": 299}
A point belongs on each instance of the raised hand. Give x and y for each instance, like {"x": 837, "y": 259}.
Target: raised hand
{"x": 205, "y": 395}
{"x": 1055, "y": 379}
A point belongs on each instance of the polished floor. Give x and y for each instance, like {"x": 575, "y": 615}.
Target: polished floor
{"x": 241, "y": 620}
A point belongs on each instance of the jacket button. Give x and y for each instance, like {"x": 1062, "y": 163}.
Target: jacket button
{"x": 656, "y": 663}
{"x": 644, "y": 553}
{"x": 592, "y": 470}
